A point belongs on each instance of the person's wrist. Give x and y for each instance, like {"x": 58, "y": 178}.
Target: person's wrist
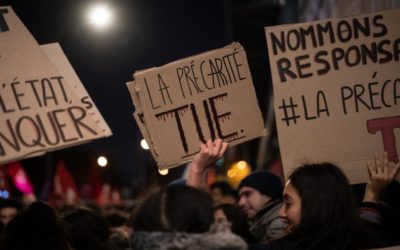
{"x": 196, "y": 169}
{"x": 370, "y": 196}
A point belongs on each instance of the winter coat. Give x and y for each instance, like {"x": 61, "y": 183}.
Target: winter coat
{"x": 268, "y": 225}
{"x": 219, "y": 237}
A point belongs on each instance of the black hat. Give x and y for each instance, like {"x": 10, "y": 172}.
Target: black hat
{"x": 264, "y": 182}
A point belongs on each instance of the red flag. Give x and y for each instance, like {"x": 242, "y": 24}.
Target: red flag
{"x": 19, "y": 177}
{"x": 65, "y": 190}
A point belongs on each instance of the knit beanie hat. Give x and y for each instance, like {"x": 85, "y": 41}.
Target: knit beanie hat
{"x": 264, "y": 182}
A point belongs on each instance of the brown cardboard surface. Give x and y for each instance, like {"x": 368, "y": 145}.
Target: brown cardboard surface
{"x": 56, "y": 55}
{"x": 209, "y": 95}
{"x": 134, "y": 95}
{"x": 39, "y": 110}
{"x": 332, "y": 101}
{"x": 139, "y": 117}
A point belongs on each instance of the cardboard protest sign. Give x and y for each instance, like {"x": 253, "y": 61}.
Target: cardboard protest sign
{"x": 202, "y": 97}
{"x": 139, "y": 117}
{"x": 54, "y": 52}
{"x": 337, "y": 90}
{"x": 43, "y": 105}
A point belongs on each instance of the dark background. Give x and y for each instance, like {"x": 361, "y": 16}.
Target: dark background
{"x": 145, "y": 34}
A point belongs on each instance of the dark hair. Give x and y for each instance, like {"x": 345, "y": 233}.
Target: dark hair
{"x": 38, "y": 227}
{"x": 329, "y": 214}
{"x": 224, "y": 186}
{"x": 115, "y": 219}
{"x": 238, "y": 220}
{"x": 176, "y": 208}
{"x": 87, "y": 229}
{"x": 11, "y": 202}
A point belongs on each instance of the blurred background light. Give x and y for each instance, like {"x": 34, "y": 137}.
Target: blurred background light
{"x": 163, "y": 171}
{"x": 100, "y": 16}
{"x": 241, "y": 165}
{"x": 237, "y": 171}
{"x": 4, "y": 194}
{"x": 102, "y": 161}
{"x": 144, "y": 144}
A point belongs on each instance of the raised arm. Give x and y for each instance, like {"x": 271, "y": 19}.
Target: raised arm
{"x": 381, "y": 172}
{"x": 209, "y": 153}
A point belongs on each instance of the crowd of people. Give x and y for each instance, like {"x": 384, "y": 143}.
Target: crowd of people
{"x": 316, "y": 208}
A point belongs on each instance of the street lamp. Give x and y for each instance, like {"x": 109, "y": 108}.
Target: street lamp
{"x": 102, "y": 161}
{"x": 100, "y": 16}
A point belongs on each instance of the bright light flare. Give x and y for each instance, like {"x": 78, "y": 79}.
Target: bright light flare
{"x": 144, "y": 144}
{"x": 163, "y": 171}
{"x": 100, "y": 16}
{"x": 4, "y": 194}
{"x": 231, "y": 173}
{"x": 237, "y": 171}
{"x": 102, "y": 161}
{"x": 242, "y": 165}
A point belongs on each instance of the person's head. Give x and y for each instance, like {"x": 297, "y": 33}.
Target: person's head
{"x": 37, "y": 227}
{"x": 319, "y": 205}
{"x": 233, "y": 214}
{"x": 176, "y": 208}
{"x": 86, "y": 229}
{"x": 219, "y": 190}
{"x": 9, "y": 208}
{"x": 257, "y": 190}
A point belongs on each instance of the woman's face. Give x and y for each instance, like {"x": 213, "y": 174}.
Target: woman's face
{"x": 291, "y": 209}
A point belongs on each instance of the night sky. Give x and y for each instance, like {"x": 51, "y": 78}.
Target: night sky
{"x": 145, "y": 34}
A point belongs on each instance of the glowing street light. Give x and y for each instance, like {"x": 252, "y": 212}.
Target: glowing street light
{"x": 144, "y": 144}
{"x": 237, "y": 172}
{"x": 163, "y": 171}
{"x": 102, "y": 161}
{"x": 232, "y": 173}
{"x": 100, "y": 16}
{"x": 242, "y": 165}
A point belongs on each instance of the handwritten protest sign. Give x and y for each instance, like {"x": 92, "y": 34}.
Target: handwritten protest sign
{"x": 337, "y": 90}
{"x": 43, "y": 105}
{"x": 57, "y": 57}
{"x": 188, "y": 101}
{"x": 139, "y": 117}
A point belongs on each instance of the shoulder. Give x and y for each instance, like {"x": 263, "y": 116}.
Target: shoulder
{"x": 271, "y": 216}
{"x": 272, "y": 209}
